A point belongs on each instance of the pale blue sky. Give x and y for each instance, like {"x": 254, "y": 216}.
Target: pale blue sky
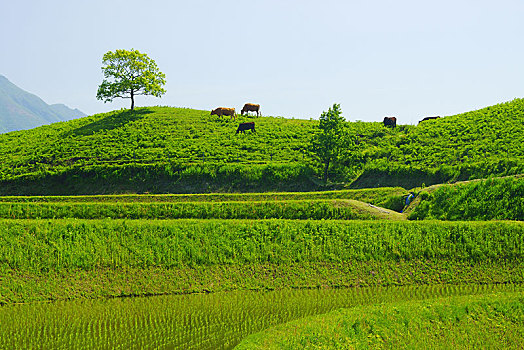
{"x": 408, "y": 59}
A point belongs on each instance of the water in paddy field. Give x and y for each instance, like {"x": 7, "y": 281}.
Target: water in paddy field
{"x": 197, "y": 321}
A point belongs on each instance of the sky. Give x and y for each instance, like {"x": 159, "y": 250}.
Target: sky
{"x": 296, "y": 58}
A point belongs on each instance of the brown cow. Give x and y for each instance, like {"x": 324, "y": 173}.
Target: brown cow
{"x": 250, "y": 107}
{"x": 220, "y": 111}
{"x": 390, "y": 121}
{"x": 428, "y": 118}
{"x": 242, "y": 127}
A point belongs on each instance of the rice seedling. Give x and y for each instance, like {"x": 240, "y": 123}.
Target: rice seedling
{"x": 493, "y": 320}
{"x": 198, "y": 321}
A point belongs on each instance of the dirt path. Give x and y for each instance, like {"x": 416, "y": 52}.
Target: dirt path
{"x": 377, "y": 212}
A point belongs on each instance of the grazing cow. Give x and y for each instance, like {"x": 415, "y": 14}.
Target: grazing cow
{"x": 390, "y": 121}
{"x": 428, "y": 118}
{"x": 242, "y": 127}
{"x": 220, "y": 111}
{"x": 250, "y": 107}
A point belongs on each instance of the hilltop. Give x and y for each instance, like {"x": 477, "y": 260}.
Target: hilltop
{"x": 477, "y": 144}
{"x": 20, "y": 109}
{"x": 179, "y": 150}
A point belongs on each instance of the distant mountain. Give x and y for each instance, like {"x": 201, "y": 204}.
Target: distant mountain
{"x": 20, "y": 109}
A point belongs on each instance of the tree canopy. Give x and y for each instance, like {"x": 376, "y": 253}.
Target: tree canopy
{"x": 128, "y": 74}
{"x": 328, "y": 143}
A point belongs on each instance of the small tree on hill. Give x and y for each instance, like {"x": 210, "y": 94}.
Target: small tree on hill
{"x": 328, "y": 143}
{"x": 128, "y": 74}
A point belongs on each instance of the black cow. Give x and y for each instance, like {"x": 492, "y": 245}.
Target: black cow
{"x": 242, "y": 127}
{"x": 428, "y": 118}
{"x": 390, "y": 121}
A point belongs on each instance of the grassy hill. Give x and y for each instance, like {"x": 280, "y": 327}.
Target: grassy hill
{"x": 476, "y": 144}
{"x": 177, "y": 150}
{"x": 157, "y": 149}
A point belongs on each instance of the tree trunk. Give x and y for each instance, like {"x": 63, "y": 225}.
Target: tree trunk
{"x": 132, "y": 100}
{"x": 326, "y": 171}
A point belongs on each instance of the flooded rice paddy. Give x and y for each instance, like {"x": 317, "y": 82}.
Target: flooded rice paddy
{"x": 197, "y": 321}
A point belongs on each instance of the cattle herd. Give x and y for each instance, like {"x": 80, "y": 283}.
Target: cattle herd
{"x": 248, "y": 107}
{"x": 251, "y": 107}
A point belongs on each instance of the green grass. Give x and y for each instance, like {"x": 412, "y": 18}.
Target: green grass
{"x": 176, "y": 150}
{"x": 470, "y": 145}
{"x": 71, "y": 258}
{"x": 479, "y": 322}
{"x": 42, "y": 245}
{"x": 493, "y": 199}
{"x": 161, "y": 144}
{"x": 124, "y": 281}
{"x": 390, "y": 198}
{"x": 376, "y": 196}
{"x": 285, "y": 205}
{"x": 284, "y": 209}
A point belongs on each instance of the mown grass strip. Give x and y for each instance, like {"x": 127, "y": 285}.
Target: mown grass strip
{"x": 388, "y": 197}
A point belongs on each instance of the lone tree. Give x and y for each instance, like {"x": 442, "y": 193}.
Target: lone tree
{"x": 328, "y": 143}
{"x": 129, "y": 73}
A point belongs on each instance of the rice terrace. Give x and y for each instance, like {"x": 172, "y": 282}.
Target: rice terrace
{"x": 160, "y": 227}
{"x": 254, "y": 175}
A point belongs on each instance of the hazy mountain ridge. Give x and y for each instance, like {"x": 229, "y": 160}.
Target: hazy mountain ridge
{"x": 20, "y": 109}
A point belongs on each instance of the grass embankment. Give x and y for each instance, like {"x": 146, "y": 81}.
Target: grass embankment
{"x": 492, "y": 199}
{"x": 301, "y": 210}
{"x": 177, "y": 150}
{"x": 473, "y": 322}
{"x": 62, "y": 259}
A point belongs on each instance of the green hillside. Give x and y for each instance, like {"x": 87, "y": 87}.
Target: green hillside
{"x": 477, "y": 144}
{"x": 492, "y": 199}
{"x": 157, "y": 149}
{"x": 177, "y": 150}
